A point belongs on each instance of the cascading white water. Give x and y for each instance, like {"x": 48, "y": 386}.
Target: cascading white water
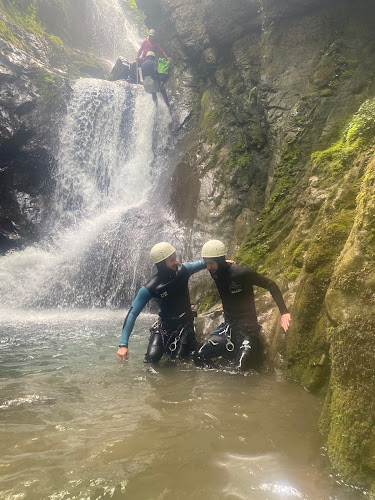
{"x": 105, "y": 150}
{"x": 100, "y": 223}
{"x": 110, "y": 33}
{"x": 104, "y": 172}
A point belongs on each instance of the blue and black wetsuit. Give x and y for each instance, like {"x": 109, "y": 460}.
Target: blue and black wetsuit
{"x": 238, "y": 338}
{"x": 174, "y": 332}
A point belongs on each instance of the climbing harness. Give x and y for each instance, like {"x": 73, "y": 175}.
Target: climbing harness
{"x": 173, "y": 345}
{"x": 229, "y": 346}
{"x": 227, "y": 331}
{"x": 166, "y": 338}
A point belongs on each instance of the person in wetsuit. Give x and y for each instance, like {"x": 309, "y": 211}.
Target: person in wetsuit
{"x": 238, "y": 338}
{"x": 148, "y": 45}
{"x": 151, "y": 80}
{"x": 173, "y": 333}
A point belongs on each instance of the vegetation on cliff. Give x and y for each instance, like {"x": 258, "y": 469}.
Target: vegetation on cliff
{"x": 282, "y": 133}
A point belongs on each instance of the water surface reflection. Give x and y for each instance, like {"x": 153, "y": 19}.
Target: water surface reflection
{"x": 75, "y": 424}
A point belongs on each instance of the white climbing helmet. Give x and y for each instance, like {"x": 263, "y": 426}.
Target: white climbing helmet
{"x": 213, "y": 248}
{"x": 150, "y": 53}
{"x": 151, "y": 33}
{"x": 161, "y": 251}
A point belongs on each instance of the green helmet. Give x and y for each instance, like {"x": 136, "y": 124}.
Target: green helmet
{"x": 161, "y": 251}
{"x": 213, "y": 248}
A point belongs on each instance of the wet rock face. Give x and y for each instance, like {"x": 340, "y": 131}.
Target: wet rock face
{"x": 279, "y": 150}
{"x": 28, "y": 134}
{"x": 35, "y": 67}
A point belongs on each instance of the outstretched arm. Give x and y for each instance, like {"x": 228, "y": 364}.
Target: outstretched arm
{"x": 158, "y": 46}
{"x": 143, "y": 296}
{"x": 264, "y": 282}
{"x": 195, "y": 267}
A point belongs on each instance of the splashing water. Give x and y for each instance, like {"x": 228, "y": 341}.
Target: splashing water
{"x": 103, "y": 178}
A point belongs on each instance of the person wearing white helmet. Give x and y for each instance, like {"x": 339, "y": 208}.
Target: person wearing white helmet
{"x": 151, "y": 80}
{"x": 238, "y": 338}
{"x": 150, "y": 45}
{"x": 174, "y": 331}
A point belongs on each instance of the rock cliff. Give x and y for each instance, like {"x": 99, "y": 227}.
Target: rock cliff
{"x": 35, "y": 69}
{"x": 275, "y": 156}
{"x": 279, "y": 152}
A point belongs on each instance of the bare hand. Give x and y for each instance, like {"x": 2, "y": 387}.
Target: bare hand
{"x": 123, "y": 353}
{"x": 285, "y": 321}
{"x": 231, "y": 262}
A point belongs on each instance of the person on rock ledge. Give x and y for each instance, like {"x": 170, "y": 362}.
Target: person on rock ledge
{"x": 174, "y": 332}
{"x": 238, "y": 338}
{"x": 151, "y": 81}
{"x": 150, "y": 45}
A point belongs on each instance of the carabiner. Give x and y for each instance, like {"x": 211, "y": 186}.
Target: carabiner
{"x": 173, "y": 345}
{"x": 229, "y": 345}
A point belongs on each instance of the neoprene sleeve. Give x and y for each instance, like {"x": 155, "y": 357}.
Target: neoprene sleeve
{"x": 194, "y": 267}
{"x": 143, "y": 296}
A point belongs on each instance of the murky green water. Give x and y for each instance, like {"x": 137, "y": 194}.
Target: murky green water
{"x": 77, "y": 424}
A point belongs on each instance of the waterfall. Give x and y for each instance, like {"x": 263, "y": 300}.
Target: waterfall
{"x": 110, "y": 33}
{"x": 108, "y": 207}
{"x": 102, "y": 220}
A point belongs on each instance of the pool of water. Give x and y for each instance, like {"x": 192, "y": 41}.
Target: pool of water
{"x": 77, "y": 424}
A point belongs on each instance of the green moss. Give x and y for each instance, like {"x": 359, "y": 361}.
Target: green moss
{"x": 205, "y": 98}
{"x": 239, "y": 157}
{"x": 285, "y": 176}
{"x": 56, "y": 42}
{"x": 355, "y": 139}
{"x": 252, "y": 255}
{"x": 210, "y": 299}
{"x": 8, "y": 34}
{"x": 210, "y": 126}
{"x": 349, "y": 420}
{"x": 25, "y": 19}
{"x": 328, "y": 242}
{"x": 46, "y": 82}
{"x": 332, "y": 68}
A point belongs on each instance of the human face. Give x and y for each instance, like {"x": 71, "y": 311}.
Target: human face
{"x": 211, "y": 265}
{"x": 171, "y": 262}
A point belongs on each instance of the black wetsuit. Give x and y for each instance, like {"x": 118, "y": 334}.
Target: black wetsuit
{"x": 149, "y": 68}
{"x": 241, "y": 340}
{"x": 174, "y": 332}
